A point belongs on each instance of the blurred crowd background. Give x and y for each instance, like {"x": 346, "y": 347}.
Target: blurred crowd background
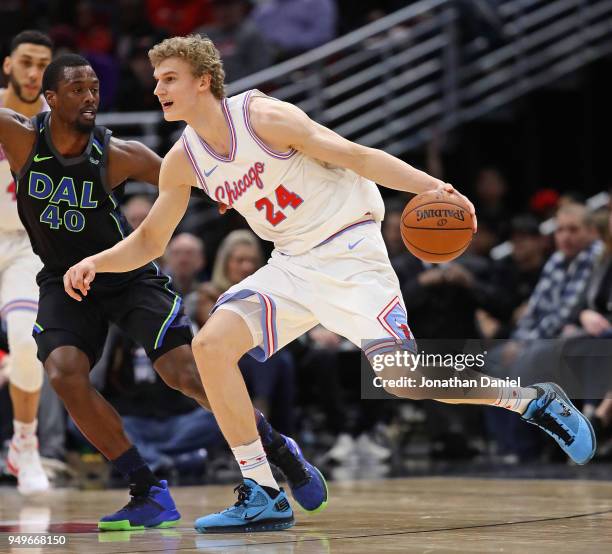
{"x": 542, "y": 161}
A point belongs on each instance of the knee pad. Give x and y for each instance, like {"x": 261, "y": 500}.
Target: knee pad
{"x": 25, "y": 371}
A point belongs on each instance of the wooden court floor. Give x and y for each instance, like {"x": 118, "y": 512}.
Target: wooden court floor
{"x": 393, "y": 515}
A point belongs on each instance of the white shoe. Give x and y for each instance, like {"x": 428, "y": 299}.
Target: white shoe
{"x": 343, "y": 450}
{"x": 370, "y": 451}
{"x": 24, "y": 463}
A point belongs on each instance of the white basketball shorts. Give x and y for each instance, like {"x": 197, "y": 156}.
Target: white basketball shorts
{"x": 346, "y": 284}
{"x": 18, "y": 269}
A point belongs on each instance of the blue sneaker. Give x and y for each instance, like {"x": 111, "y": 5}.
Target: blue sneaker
{"x": 255, "y": 510}
{"x": 553, "y": 412}
{"x": 306, "y": 482}
{"x": 154, "y": 509}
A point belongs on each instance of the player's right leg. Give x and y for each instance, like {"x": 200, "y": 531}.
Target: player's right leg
{"x": 70, "y": 336}
{"x": 25, "y": 382}
{"x": 18, "y": 305}
{"x": 545, "y": 405}
{"x": 362, "y": 283}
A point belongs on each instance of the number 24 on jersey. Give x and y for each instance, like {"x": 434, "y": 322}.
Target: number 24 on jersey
{"x": 284, "y": 199}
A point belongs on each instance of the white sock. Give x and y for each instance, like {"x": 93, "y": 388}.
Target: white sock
{"x": 515, "y": 399}
{"x": 24, "y": 433}
{"x": 254, "y": 464}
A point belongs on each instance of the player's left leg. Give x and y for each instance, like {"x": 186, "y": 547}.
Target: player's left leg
{"x": 175, "y": 363}
{"x": 19, "y": 301}
{"x": 260, "y": 315}
{"x": 262, "y": 504}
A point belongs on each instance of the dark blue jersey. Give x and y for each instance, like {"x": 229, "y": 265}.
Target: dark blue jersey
{"x": 67, "y": 204}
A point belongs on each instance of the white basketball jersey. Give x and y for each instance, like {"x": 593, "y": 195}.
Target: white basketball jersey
{"x": 9, "y": 219}
{"x": 288, "y": 198}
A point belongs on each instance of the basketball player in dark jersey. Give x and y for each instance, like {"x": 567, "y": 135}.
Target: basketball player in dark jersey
{"x": 66, "y": 168}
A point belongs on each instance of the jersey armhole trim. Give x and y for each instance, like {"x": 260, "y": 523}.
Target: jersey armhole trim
{"x": 247, "y": 121}
{"x": 199, "y": 177}
{"x": 104, "y": 161}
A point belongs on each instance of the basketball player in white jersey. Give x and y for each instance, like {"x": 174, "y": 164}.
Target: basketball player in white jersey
{"x": 30, "y": 54}
{"x": 312, "y": 193}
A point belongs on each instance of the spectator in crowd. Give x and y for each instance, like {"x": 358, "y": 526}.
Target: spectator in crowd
{"x": 564, "y": 277}
{"x": 239, "y": 256}
{"x": 483, "y": 241}
{"x": 136, "y": 82}
{"x": 516, "y": 275}
{"x": 243, "y": 49}
{"x": 184, "y": 261}
{"x": 551, "y": 308}
{"x": 137, "y": 208}
{"x": 442, "y": 299}
{"x": 490, "y": 200}
{"x": 544, "y": 203}
{"x": 595, "y": 321}
{"x": 295, "y": 26}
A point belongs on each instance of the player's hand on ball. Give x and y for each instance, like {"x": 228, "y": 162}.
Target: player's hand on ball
{"x": 448, "y": 188}
{"x": 79, "y": 278}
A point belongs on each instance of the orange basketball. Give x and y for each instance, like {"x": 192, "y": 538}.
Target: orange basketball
{"x": 436, "y": 226}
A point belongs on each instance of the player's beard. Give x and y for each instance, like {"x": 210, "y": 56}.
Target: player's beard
{"x": 84, "y": 127}
{"x": 17, "y": 88}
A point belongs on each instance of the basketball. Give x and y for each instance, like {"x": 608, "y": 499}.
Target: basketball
{"x": 436, "y": 226}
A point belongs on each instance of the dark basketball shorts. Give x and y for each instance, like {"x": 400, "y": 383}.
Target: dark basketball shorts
{"x": 144, "y": 308}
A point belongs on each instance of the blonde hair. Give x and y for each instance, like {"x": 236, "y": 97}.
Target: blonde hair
{"x": 235, "y": 238}
{"x": 199, "y": 52}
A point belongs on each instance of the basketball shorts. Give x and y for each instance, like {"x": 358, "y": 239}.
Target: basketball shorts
{"x": 346, "y": 284}
{"x": 18, "y": 306}
{"x": 18, "y": 269}
{"x": 144, "y": 308}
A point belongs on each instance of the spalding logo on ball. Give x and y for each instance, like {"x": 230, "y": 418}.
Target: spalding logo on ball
{"x": 436, "y": 226}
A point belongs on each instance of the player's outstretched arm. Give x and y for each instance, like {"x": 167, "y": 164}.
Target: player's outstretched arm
{"x": 149, "y": 241}
{"x": 284, "y": 126}
{"x": 16, "y": 136}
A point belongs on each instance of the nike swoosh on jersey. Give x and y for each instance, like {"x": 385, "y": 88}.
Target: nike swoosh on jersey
{"x": 351, "y": 246}
{"x": 37, "y": 158}
{"x": 209, "y": 173}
